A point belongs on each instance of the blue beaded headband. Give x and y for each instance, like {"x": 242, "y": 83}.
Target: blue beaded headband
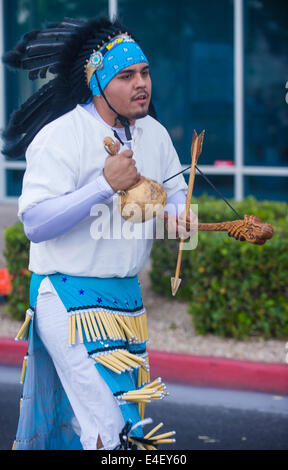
{"x": 117, "y": 54}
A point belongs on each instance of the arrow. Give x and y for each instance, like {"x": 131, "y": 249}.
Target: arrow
{"x": 196, "y": 149}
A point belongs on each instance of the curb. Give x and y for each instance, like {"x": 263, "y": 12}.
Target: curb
{"x": 12, "y": 352}
{"x": 204, "y": 371}
{"x": 220, "y": 372}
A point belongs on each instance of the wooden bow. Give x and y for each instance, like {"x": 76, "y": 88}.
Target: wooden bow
{"x": 196, "y": 149}
{"x": 250, "y": 229}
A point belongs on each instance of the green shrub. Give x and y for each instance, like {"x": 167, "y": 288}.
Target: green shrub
{"x": 16, "y": 254}
{"x": 233, "y": 289}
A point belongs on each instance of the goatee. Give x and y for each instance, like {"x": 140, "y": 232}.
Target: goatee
{"x": 139, "y": 114}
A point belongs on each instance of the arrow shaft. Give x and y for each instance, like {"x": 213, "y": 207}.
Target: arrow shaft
{"x": 179, "y": 260}
{"x": 195, "y": 154}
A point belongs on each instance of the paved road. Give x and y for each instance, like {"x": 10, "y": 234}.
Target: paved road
{"x": 203, "y": 418}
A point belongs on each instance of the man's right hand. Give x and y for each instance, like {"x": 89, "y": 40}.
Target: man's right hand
{"x": 120, "y": 171}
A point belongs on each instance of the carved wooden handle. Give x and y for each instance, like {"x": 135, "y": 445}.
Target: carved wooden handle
{"x": 110, "y": 146}
{"x": 251, "y": 229}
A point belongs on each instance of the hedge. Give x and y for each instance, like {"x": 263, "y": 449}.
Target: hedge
{"x": 233, "y": 289}
{"x": 16, "y": 253}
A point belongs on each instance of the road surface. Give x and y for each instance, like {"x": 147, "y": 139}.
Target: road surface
{"x": 203, "y": 418}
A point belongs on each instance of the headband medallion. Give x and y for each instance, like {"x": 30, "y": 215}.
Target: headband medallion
{"x": 95, "y": 62}
{"x": 96, "y": 59}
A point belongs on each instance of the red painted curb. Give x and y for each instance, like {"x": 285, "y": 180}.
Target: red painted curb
{"x": 220, "y": 372}
{"x": 12, "y": 352}
{"x": 195, "y": 370}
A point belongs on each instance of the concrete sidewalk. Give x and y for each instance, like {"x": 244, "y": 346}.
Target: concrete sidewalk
{"x": 188, "y": 369}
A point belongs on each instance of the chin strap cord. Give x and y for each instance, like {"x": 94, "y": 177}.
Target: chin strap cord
{"x": 122, "y": 119}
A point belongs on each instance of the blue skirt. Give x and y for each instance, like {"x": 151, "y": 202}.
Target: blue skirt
{"x": 108, "y": 317}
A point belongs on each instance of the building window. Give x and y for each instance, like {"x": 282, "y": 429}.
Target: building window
{"x": 14, "y": 180}
{"x": 273, "y": 188}
{"x": 225, "y": 182}
{"x": 190, "y": 48}
{"x": 266, "y": 74}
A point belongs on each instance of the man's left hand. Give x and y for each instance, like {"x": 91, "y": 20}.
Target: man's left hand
{"x": 181, "y": 227}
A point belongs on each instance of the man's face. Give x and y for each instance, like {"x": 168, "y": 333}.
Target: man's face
{"x": 129, "y": 92}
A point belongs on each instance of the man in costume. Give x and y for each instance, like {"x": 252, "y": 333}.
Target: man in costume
{"x": 87, "y": 376}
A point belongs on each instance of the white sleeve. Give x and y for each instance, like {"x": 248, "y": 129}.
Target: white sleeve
{"x": 176, "y": 203}
{"x": 52, "y": 166}
{"x": 54, "y": 217}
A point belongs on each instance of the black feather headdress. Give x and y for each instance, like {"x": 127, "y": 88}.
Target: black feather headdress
{"x": 61, "y": 49}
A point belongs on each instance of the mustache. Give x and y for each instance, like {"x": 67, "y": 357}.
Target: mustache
{"x": 145, "y": 93}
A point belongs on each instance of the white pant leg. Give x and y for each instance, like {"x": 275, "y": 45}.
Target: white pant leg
{"x": 92, "y": 401}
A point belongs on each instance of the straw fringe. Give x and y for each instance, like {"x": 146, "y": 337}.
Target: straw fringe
{"x": 103, "y": 324}
{"x": 23, "y": 371}
{"x": 121, "y": 360}
{"x": 155, "y": 390}
{"x": 151, "y": 441}
{"x": 23, "y": 333}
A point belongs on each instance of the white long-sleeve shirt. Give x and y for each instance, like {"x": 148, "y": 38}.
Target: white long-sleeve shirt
{"x": 67, "y": 154}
